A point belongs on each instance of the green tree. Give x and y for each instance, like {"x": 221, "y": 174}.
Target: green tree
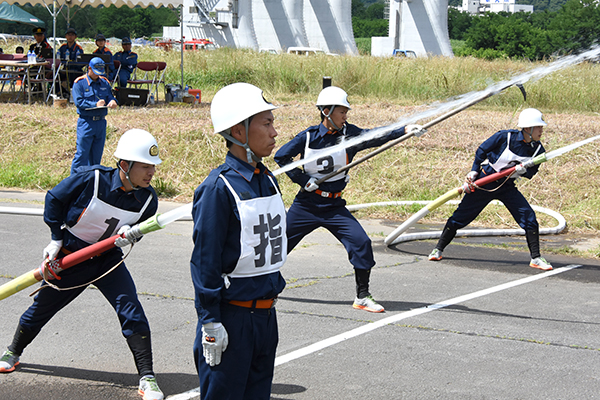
{"x": 458, "y": 23}
{"x": 577, "y": 24}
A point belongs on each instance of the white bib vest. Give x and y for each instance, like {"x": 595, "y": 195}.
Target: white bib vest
{"x": 323, "y": 166}
{"x": 263, "y": 241}
{"x": 509, "y": 159}
{"x": 100, "y": 220}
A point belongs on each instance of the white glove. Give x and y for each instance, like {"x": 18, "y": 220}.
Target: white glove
{"x": 214, "y": 342}
{"x": 311, "y": 186}
{"x": 416, "y": 130}
{"x": 130, "y": 237}
{"x": 520, "y": 170}
{"x": 471, "y": 176}
{"x": 52, "y": 249}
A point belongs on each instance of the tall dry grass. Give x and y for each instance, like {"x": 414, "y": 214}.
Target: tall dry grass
{"x": 38, "y": 142}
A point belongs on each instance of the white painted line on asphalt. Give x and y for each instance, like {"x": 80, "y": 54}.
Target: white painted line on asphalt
{"x": 393, "y": 319}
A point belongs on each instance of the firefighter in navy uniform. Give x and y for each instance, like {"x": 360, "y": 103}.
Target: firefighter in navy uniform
{"x": 322, "y": 205}
{"x": 90, "y": 92}
{"x": 239, "y": 246}
{"x": 128, "y": 60}
{"x": 39, "y": 34}
{"x": 89, "y": 206}
{"x": 102, "y": 49}
{"x": 69, "y": 53}
{"x": 504, "y": 149}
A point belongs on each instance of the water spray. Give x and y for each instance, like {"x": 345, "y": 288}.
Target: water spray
{"x": 451, "y": 108}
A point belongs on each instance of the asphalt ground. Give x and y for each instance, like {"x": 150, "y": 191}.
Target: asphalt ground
{"x": 536, "y": 337}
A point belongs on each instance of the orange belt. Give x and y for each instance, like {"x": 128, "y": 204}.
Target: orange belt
{"x": 331, "y": 195}
{"x": 268, "y": 303}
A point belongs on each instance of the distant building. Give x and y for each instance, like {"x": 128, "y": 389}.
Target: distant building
{"x": 416, "y": 25}
{"x": 495, "y": 6}
{"x": 269, "y": 24}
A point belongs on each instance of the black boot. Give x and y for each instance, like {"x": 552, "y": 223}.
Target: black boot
{"x": 362, "y": 277}
{"x": 141, "y": 348}
{"x": 533, "y": 242}
{"x": 22, "y": 338}
{"x": 446, "y": 237}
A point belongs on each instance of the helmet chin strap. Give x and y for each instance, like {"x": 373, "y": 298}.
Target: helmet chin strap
{"x": 531, "y": 141}
{"x": 129, "y": 165}
{"x": 250, "y": 156}
{"x": 328, "y": 116}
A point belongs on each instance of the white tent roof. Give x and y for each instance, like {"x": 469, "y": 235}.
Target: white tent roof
{"x": 106, "y": 3}
{"x": 53, "y": 8}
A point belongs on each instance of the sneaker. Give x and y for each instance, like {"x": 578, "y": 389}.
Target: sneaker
{"x": 540, "y": 263}
{"x": 9, "y": 361}
{"x": 368, "y": 304}
{"x": 149, "y": 388}
{"x": 435, "y": 255}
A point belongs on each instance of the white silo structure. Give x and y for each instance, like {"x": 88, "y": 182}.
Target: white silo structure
{"x": 276, "y": 24}
{"x": 417, "y": 25}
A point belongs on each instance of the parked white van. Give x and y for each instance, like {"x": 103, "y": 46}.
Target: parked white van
{"x": 304, "y": 51}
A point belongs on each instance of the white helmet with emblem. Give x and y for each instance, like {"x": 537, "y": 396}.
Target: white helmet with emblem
{"x": 138, "y": 145}
{"x": 531, "y": 117}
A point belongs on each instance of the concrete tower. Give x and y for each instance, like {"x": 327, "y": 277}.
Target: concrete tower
{"x": 417, "y": 25}
{"x": 275, "y": 24}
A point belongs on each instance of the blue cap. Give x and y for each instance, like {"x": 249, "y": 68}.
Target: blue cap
{"x": 126, "y": 40}
{"x": 97, "y": 65}
{"x": 100, "y": 37}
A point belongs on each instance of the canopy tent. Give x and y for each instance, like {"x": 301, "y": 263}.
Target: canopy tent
{"x": 55, "y": 6}
{"x": 13, "y": 14}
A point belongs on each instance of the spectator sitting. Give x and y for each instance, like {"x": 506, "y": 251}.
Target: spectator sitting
{"x": 102, "y": 49}
{"x": 19, "y": 50}
{"x": 41, "y": 44}
{"x": 69, "y": 52}
{"x": 128, "y": 60}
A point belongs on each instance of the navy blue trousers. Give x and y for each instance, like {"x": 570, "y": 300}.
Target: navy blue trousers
{"x": 302, "y": 220}
{"x": 473, "y": 204}
{"x": 117, "y": 287}
{"x": 247, "y": 365}
{"x": 91, "y": 136}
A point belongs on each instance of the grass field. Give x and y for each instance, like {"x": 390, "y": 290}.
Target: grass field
{"x": 38, "y": 142}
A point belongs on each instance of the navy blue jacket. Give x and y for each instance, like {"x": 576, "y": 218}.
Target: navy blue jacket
{"x": 216, "y": 236}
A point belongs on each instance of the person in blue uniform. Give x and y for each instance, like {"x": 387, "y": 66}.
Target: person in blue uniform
{"x": 92, "y": 94}
{"x": 322, "y": 205}
{"x": 504, "y": 149}
{"x": 70, "y": 53}
{"x": 91, "y": 205}
{"x": 128, "y": 60}
{"x": 102, "y": 49}
{"x": 239, "y": 247}
{"x": 41, "y": 45}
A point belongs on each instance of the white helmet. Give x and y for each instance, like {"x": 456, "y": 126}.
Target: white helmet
{"x": 138, "y": 145}
{"x": 531, "y": 117}
{"x": 333, "y": 96}
{"x": 236, "y": 103}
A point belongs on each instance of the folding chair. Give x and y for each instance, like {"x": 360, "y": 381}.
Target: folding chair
{"x": 161, "y": 68}
{"x": 6, "y": 76}
{"x": 117, "y": 65}
{"x": 56, "y": 82}
{"x": 149, "y": 70}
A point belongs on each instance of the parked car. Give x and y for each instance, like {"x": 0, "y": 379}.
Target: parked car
{"x": 304, "y": 51}
{"x": 404, "y": 53}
